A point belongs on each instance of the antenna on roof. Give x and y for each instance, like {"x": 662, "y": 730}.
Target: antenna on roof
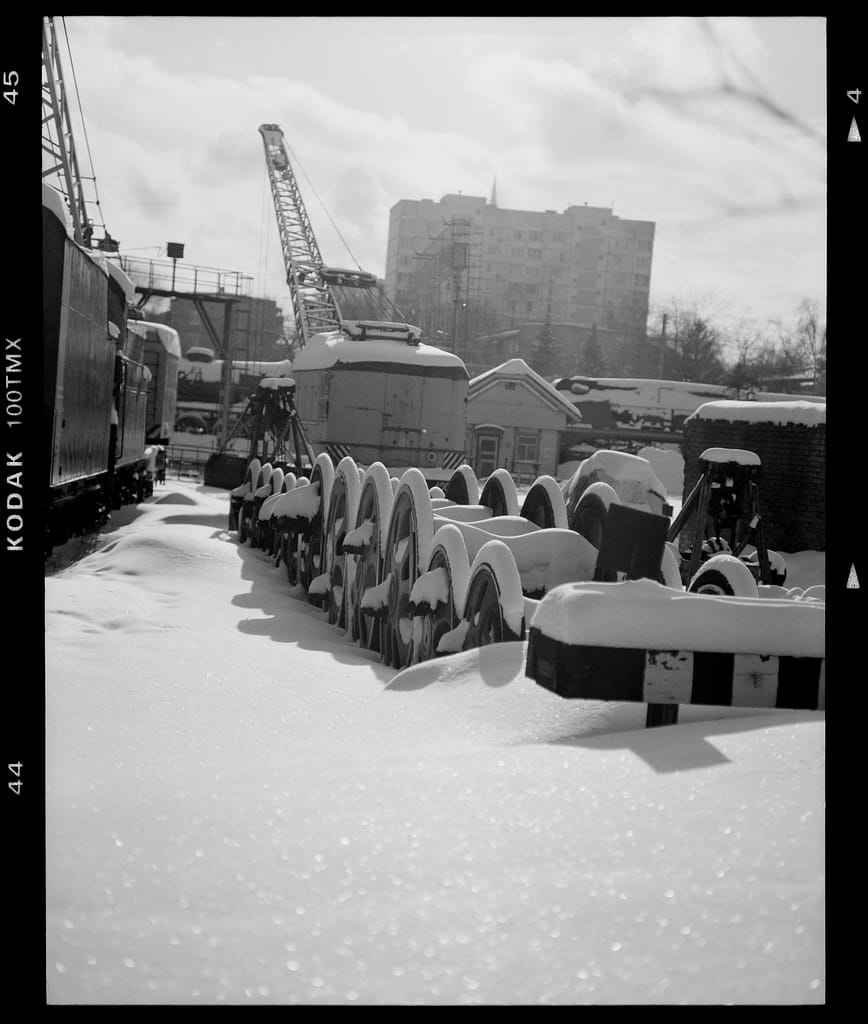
{"x": 493, "y": 200}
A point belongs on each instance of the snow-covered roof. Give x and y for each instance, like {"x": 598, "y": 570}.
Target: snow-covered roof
{"x": 517, "y": 369}
{"x": 809, "y": 414}
{"x": 115, "y": 272}
{"x": 168, "y": 336}
{"x": 334, "y": 347}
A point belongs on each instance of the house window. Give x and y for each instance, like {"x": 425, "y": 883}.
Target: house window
{"x": 526, "y": 448}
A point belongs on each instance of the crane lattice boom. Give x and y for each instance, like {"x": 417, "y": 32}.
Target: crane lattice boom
{"x": 313, "y": 304}
{"x": 58, "y": 144}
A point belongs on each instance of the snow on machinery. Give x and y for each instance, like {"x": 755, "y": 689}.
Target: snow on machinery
{"x": 366, "y": 384}
{"x": 412, "y": 572}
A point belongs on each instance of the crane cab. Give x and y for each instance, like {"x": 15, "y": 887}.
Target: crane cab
{"x": 376, "y": 392}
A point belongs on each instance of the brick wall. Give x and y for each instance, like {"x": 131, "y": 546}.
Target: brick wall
{"x": 792, "y": 495}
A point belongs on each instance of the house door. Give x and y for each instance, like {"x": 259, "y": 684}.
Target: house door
{"x": 487, "y": 454}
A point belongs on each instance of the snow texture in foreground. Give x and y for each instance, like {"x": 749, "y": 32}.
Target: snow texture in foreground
{"x": 243, "y": 807}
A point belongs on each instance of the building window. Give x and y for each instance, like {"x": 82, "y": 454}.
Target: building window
{"x": 526, "y": 448}
{"x": 534, "y": 236}
{"x": 518, "y": 236}
{"x": 534, "y": 254}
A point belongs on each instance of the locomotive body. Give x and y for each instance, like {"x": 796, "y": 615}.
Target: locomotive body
{"x": 161, "y": 355}
{"x": 94, "y": 386}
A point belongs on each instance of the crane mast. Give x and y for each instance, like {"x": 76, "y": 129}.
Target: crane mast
{"x": 58, "y": 142}
{"x": 313, "y": 304}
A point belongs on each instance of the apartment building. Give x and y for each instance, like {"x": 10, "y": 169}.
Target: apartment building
{"x": 463, "y": 267}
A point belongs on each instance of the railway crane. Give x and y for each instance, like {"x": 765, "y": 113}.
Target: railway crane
{"x": 367, "y": 384}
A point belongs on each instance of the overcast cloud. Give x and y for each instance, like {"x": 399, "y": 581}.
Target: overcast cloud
{"x": 713, "y": 129}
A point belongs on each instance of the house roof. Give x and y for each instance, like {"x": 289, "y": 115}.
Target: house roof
{"x": 519, "y": 371}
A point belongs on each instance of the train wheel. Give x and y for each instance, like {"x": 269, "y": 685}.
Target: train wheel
{"x": 544, "y": 504}
{"x": 591, "y": 512}
{"x": 244, "y": 514}
{"x": 372, "y": 516}
{"x": 311, "y": 547}
{"x": 253, "y": 526}
{"x": 408, "y": 545}
{"x": 463, "y": 487}
{"x": 726, "y": 575}
{"x": 343, "y": 506}
{"x": 290, "y": 555}
{"x": 439, "y": 613}
{"x": 499, "y": 494}
{"x": 494, "y": 608}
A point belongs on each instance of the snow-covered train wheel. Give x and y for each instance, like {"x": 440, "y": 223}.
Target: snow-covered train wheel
{"x": 590, "y": 514}
{"x": 544, "y": 504}
{"x": 289, "y": 554}
{"x": 343, "y": 506}
{"x": 408, "y": 546}
{"x": 253, "y": 523}
{"x": 463, "y": 487}
{"x": 441, "y": 612}
{"x": 494, "y": 607}
{"x": 244, "y": 514}
{"x": 311, "y": 547}
{"x": 372, "y": 517}
{"x": 724, "y": 574}
{"x": 499, "y": 494}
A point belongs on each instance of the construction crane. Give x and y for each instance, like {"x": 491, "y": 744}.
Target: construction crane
{"x": 323, "y": 298}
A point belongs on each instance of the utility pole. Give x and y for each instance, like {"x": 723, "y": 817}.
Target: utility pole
{"x": 663, "y": 344}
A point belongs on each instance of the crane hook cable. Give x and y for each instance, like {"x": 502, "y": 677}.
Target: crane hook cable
{"x": 322, "y": 204}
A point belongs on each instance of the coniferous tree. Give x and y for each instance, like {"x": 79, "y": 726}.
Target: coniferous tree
{"x": 593, "y": 362}
{"x": 545, "y": 355}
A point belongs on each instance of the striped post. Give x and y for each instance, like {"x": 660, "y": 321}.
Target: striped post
{"x": 666, "y": 679}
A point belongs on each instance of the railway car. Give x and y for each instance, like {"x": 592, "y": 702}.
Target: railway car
{"x": 373, "y": 391}
{"x": 640, "y": 404}
{"x": 94, "y": 385}
{"x": 162, "y": 354}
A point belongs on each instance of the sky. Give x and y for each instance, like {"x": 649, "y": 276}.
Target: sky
{"x": 264, "y": 813}
{"x": 712, "y": 128}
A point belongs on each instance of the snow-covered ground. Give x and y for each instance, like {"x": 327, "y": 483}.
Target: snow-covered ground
{"x": 242, "y": 807}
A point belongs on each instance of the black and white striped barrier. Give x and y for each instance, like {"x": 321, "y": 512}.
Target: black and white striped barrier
{"x": 666, "y": 676}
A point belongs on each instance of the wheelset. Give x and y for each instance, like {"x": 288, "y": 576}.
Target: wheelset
{"x": 544, "y": 504}
{"x": 408, "y": 545}
{"x": 463, "y": 487}
{"x": 437, "y": 598}
{"x": 343, "y": 507}
{"x": 499, "y": 494}
{"x": 494, "y": 607}
{"x": 365, "y": 543}
{"x": 310, "y": 548}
